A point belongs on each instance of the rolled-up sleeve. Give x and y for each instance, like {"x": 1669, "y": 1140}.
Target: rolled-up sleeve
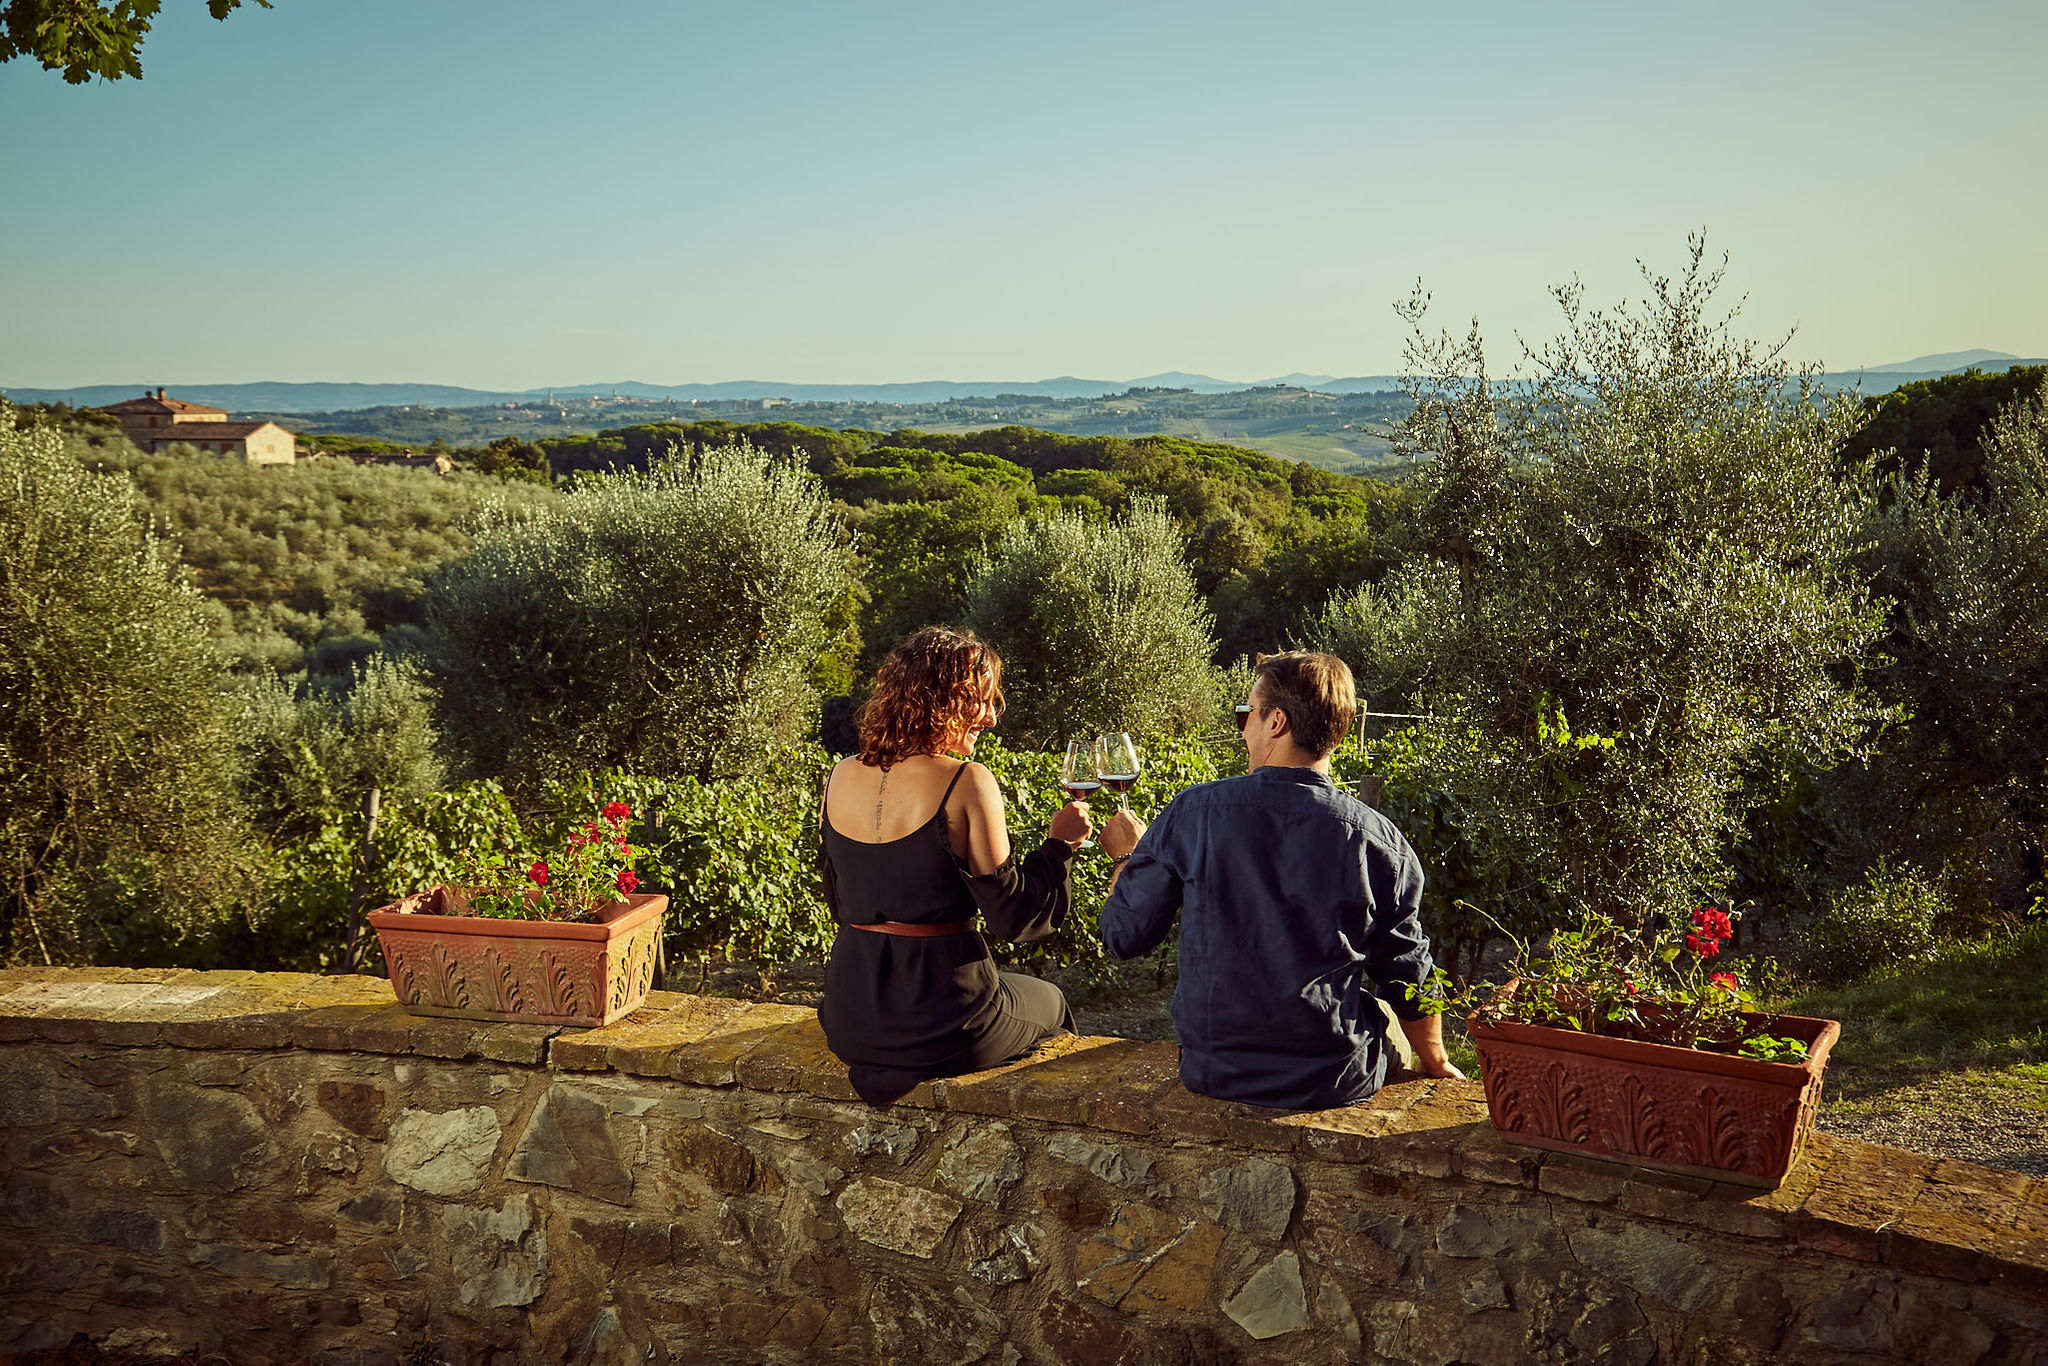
{"x": 1140, "y": 911}
{"x": 1396, "y": 950}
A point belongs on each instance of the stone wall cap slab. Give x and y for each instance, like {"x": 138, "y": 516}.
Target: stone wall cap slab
{"x": 1070, "y": 1072}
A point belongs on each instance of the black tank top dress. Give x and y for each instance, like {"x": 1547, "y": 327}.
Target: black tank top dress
{"x": 900, "y": 1010}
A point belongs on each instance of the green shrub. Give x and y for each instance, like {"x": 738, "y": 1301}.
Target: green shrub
{"x": 1884, "y": 922}
{"x": 1379, "y": 630}
{"x": 667, "y": 622}
{"x": 1643, "y": 583}
{"x": 917, "y": 559}
{"x": 313, "y": 751}
{"x": 120, "y": 834}
{"x": 737, "y": 857}
{"x": 1098, "y": 625}
{"x": 1963, "y": 781}
{"x": 1467, "y": 876}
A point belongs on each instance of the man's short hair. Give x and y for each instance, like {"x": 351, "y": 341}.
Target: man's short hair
{"x": 1316, "y": 692}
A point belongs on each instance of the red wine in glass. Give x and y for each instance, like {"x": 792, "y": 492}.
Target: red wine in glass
{"x": 1079, "y": 773}
{"x": 1120, "y": 767}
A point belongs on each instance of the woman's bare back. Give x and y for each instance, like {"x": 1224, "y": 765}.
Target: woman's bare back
{"x": 874, "y": 806}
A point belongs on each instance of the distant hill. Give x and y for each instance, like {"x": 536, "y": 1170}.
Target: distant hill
{"x": 1943, "y": 363}
{"x": 1882, "y": 379}
{"x": 271, "y": 397}
{"x": 321, "y": 397}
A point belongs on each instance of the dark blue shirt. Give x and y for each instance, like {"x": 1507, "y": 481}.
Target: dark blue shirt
{"x": 1298, "y": 905}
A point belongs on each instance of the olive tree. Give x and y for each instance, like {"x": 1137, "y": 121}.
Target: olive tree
{"x": 664, "y": 621}
{"x": 1634, "y": 586}
{"x": 314, "y": 752}
{"x": 1960, "y": 786}
{"x": 119, "y": 828}
{"x": 1099, "y": 626}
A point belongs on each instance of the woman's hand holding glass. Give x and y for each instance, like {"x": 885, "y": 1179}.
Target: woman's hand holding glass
{"x": 1072, "y": 823}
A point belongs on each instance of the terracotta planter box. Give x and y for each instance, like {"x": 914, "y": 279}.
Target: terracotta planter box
{"x": 559, "y": 972}
{"x": 1655, "y": 1105}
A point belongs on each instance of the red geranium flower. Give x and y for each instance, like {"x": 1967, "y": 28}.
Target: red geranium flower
{"x": 1727, "y": 981}
{"x": 1712, "y": 924}
{"x": 628, "y": 881}
{"x": 538, "y": 874}
{"x": 1705, "y": 948}
{"x": 617, "y": 811}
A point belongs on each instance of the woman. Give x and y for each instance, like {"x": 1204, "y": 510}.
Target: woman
{"x": 912, "y": 846}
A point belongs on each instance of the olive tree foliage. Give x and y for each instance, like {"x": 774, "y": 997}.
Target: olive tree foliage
{"x": 1959, "y": 790}
{"x": 664, "y": 621}
{"x": 314, "y": 752}
{"x": 1099, "y": 626}
{"x": 1379, "y": 629}
{"x": 1631, "y": 582}
{"x": 118, "y": 820}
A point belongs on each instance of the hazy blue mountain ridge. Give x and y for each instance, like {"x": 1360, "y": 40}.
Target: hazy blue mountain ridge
{"x": 330, "y": 397}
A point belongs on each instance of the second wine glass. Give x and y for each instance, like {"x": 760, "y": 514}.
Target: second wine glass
{"x": 1120, "y": 767}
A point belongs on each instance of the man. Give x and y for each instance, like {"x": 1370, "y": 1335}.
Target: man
{"x": 1298, "y": 908}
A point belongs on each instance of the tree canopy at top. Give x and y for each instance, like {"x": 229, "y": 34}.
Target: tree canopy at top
{"x": 86, "y": 38}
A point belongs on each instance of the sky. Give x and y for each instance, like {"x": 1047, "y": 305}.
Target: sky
{"x": 506, "y": 194}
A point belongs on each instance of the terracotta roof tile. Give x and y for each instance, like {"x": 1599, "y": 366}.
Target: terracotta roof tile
{"x": 205, "y": 431}
{"x": 150, "y": 403}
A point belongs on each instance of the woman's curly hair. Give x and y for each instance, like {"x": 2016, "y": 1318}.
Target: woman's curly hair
{"x": 932, "y": 684}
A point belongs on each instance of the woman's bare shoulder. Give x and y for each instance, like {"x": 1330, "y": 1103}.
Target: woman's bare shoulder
{"x": 980, "y": 784}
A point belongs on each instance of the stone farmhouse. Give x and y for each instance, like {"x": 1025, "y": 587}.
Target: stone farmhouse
{"x": 156, "y": 421}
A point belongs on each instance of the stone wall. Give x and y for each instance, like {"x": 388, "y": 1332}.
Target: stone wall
{"x": 286, "y": 1168}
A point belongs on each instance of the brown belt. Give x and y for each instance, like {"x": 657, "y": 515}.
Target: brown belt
{"x": 910, "y": 931}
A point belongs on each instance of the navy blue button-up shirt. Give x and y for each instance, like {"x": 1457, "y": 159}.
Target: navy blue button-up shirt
{"x": 1298, "y": 905}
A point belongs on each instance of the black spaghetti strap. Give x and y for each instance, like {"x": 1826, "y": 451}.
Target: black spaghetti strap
{"x": 824, "y": 795}
{"x": 948, "y": 795}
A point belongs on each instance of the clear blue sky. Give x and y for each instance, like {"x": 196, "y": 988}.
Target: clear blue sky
{"x": 501, "y": 193}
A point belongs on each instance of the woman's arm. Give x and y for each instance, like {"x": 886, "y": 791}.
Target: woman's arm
{"x": 988, "y": 838}
{"x": 1023, "y": 899}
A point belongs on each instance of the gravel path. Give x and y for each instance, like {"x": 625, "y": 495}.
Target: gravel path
{"x": 2014, "y": 1137}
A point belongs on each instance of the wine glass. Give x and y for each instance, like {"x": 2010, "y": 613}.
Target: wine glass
{"x": 1081, "y": 772}
{"x": 1120, "y": 767}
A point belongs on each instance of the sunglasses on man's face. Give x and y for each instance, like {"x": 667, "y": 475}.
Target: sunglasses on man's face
{"x": 1243, "y": 712}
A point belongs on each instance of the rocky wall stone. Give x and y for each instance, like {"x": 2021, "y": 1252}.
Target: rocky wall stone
{"x": 288, "y": 1169}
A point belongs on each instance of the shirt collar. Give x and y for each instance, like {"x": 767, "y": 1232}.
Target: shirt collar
{"x": 1298, "y": 777}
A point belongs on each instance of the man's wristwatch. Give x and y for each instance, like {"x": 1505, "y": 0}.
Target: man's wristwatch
{"x": 1120, "y": 860}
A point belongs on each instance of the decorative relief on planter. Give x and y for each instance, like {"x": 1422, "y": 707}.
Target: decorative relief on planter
{"x": 1655, "y": 1105}
{"x": 558, "y": 972}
